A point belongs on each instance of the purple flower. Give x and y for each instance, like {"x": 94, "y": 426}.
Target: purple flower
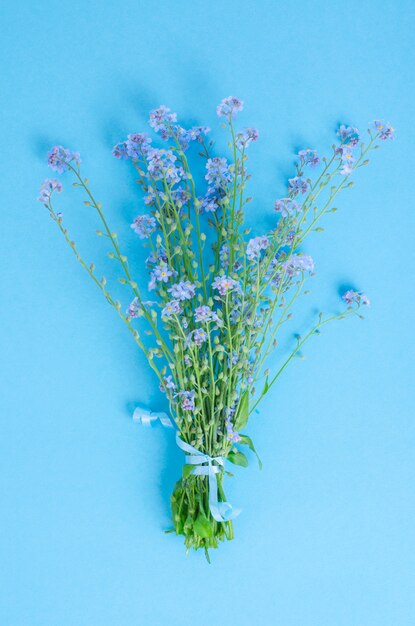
{"x": 245, "y": 137}
{"x": 134, "y": 310}
{"x": 199, "y": 336}
{"x": 184, "y": 290}
{"x": 355, "y": 297}
{"x": 224, "y": 255}
{"x": 144, "y": 225}
{"x": 180, "y": 196}
{"x": 297, "y": 185}
{"x": 184, "y": 137}
{"x": 162, "y": 273}
{"x": 161, "y": 165}
{"x": 347, "y": 169}
{"x": 218, "y": 174}
{"x": 385, "y": 130}
{"x": 309, "y": 157}
{"x": 137, "y": 145}
{"x": 229, "y": 107}
{"x": 298, "y": 263}
{"x": 204, "y": 313}
{"x": 171, "y": 308}
{"x": 120, "y": 150}
{"x": 287, "y": 207}
{"x": 209, "y": 204}
{"x": 59, "y": 159}
{"x": 349, "y": 135}
{"x": 346, "y": 154}
{"x": 254, "y": 247}
{"x": 168, "y": 384}
{"x": 161, "y": 119}
{"x": 223, "y": 284}
{"x": 232, "y": 435}
{"x": 48, "y": 186}
{"x": 188, "y": 402}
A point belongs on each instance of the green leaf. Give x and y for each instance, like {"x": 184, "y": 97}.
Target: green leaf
{"x": 187, "y": 470}
{"x": 238, "y": 458}
{"x": 203, "y": 527}
{"x": 241, "y": 418}
{"x": 247, "y": 441}
{"x": 266, "y": 387}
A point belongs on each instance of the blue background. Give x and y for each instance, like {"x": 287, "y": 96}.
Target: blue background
{"x": 327, "y": 532}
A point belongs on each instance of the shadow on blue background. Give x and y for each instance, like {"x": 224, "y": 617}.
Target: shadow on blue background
{"x": 326, "y": 537}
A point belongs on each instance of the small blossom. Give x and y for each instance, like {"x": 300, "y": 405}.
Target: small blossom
{"x": 162, "y": 273}
{"x": 349, "y": 135}
{"x": 385, "y": 130}
{"x": 287, "y": 207}
{"x": 298, "y": 263}
{"x": 188, "y": 402}
{"x": 346, "y": 154}
{"x": 161, "y": 118}
{"x": 167, "y": 384}
{"x": 218, "y": 174}
{"x": 309, "y": 157}
{"x": 137, "y": 145}
{"x": 245, "y": 137}
{"x": 199, "y": 336}
{"x": 184, "y": 290}
{"x": 347, "y": 169}
{"x": 134, "y": 310}
{"x": 229, "y": 107}
{"x": 144, "y": 226}
{"x": 297, "y": 185}
{"x": 223, "y": 284}
{"x": 171, "y": 308}
{"x": 59, "y": 159}
{"x": 204, "y": 313}
{"x": 254, "y": 247}
{"x": 47, "y": 188}
{"x": 355, "y": 297}
{"x": 120, "y": 150}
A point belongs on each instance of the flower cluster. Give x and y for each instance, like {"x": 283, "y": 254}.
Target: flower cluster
{"x": 229, "y": 107}
{"x": 355, "y": 297}
{"x": 60, "y": 159}
{"x": 48, "y": 186}
{"x": 287, "y": 207}
{"x": 254, "y": 247}
{"x": 144, "y": 226}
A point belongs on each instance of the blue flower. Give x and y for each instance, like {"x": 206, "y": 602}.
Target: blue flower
{"x": 48, "y": 186}
{"x": 385, "y": 130}
{"x": 297, "y": 185}
{"x": 120, "y": 150}
{"x": 188, "y": 402}
{"x": 287, "y": 207}
{"x": 137, "y": 145}
{"x": 199, "y": 336}
{"x": 309, "y": 157}
{"x": 229, "y": 107}
{"x": 204, "y": 313}
{"x": 355, "y": 297}
{"x": 162, "y": 273}
{"x": 134, "y": 310}
{"x": 161, "y": 119}
{"x": 245, "y": 137}
{"x": 223, "y": 284}
{"x": 167, "y": 384}
{"x": 171, "y": 308}
{"x": 59, "y": 159}
{"x": 254, "y": 247}
{"x": 349, "y": 135}
{"x": 298, "y": 263}
{"x": 144, "y": 226}
{"x": 184, "y": 290}
{"x": 218, "y": 174}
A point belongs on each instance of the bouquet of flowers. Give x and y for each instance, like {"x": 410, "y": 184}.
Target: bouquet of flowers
{"x": 220, "y": 296}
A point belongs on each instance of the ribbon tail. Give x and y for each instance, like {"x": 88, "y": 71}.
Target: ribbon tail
{"x": 221, "y": 511}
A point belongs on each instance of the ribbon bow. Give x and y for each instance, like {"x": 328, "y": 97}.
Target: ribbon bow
{"x": 204, "y": 464}
{"x": 221, "y": 511}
